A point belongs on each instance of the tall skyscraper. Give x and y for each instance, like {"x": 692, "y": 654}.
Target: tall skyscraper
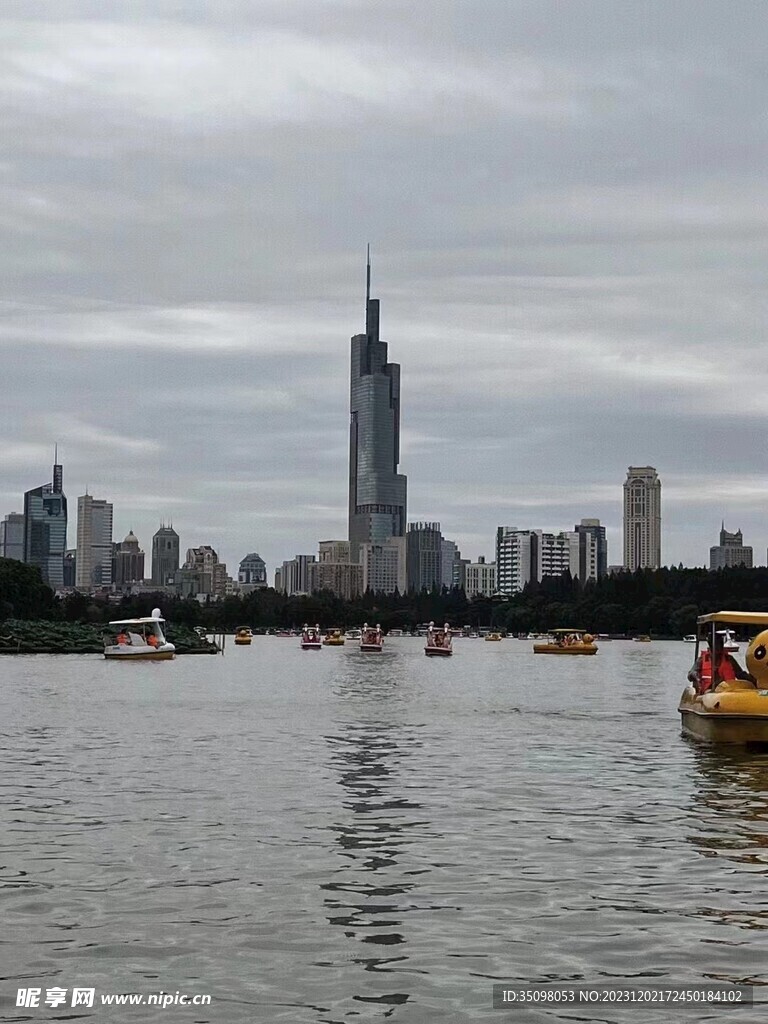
{"x": 12, "y": 536}
{"x": 94, "y": 542}
{"x": 377, "y": 492}
{"x": 642, "y": 518}
{"x": 45, "y": 528}
{"x": 165, "y": 556}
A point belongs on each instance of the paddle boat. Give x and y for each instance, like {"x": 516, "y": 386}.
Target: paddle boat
{"x": 643, "y": 638}
{"x": 138, "y": 640}
{"x": 243, "y": 636}
{"x": 438, "y": 641}
{"x": 333, "y": 638}
{"x": 567, "y": 641}
{"x": 310, "y": 638}
{"x": 371, "y": 638}
{"x": 689, "y": 638}
{"x": 718, "y": 706}
{"x": 493, "y": 636}
{"x": 353, "y": 634}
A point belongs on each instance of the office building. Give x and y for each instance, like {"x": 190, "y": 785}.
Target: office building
{"x": 594, "y": 528}
{"x": 452, "y": 567}
{"x": 730, "y": 552}
{"x": 294, "y": 577}
{"x": 424, "y": 557}
{"x": 252, "y": 574}
{"x": 70, "y": 568}
{"x": 94, "y": 543}
{"x": 203, "y": 575}
{"x": 165, "y": 556}
{"x": 334, "y": 551}
{"x": 344, "y": 579}
{"x": 127, "y": 562}
{"x": 642, "y": 518}
{"x": 480, "y": 578}
{"x": 45, "y": 528}
{"x": 513, "y": 559}
{"x": 12, "y": 536}
{"x": 377, "y": 492}
{"x": 384, "y": 566}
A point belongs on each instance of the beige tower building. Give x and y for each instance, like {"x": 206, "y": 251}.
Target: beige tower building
{"x": 94, "y": 543}
{"x": 642, "y": 518}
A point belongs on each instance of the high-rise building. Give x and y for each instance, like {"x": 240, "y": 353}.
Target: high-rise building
{"x": 94, "y": 542}
{"x": 127, "y": 561}
{"x": 424, "y": 556}
{"x": 344, "y": 579}
{"x": 480, "y": 578}
{"x": 593, "y": 527}
{"x": 294, "y": 577}
{"x": 334, "y": 551}
{"x": 203, "y": 574}
{"x": 252, "y": 574}
{"x": 451, "y": 557}
{"x": 730, "y": 552}
{"x": 12, "y": 536}
{"x": 45, "y": 528}
{"x": 514, "y": 567}
{"x": 525, "y": 556}
{"x": 384, "y": 566}
{"x": 165, "y": 556}
{"x": 642, "y": 518}
{"x": 377, "y": 492}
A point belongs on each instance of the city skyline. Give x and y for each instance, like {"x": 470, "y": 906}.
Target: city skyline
{"x": 568, "y": 233}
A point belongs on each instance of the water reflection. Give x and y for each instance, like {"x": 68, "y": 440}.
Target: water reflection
{"x": 377, "y": 831}
{"x": 729, "y": 825}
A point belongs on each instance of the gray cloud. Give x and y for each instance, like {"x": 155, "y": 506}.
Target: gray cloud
{"x": 569, "y": 221}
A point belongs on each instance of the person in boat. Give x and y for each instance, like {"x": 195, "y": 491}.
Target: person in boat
{"x": 726, "y": 666}
{"x": 122, "y": 637}
{"x": 152, "y": 640}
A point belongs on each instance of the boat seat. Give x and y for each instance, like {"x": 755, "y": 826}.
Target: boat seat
{"x": 136, "y": 640}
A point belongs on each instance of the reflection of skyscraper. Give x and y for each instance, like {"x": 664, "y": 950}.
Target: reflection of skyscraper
{"x": 165, "y": 556}
{"x": 377, "y": 492}
{"x": 45, "y": 528}
{"x": 642, "y": 518}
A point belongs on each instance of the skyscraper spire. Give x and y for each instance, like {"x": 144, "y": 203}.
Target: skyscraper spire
{"x": 371, "y": 305}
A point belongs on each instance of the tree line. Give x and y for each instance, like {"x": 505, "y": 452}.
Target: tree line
{"x": 662, "y": 602}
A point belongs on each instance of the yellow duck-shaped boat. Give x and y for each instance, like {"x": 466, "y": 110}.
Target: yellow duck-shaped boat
{"x": 732, "y": 710}
{"x": 334, "y": 638}
{"x": 243, "y": 636}
{"x": 568, "y": 641}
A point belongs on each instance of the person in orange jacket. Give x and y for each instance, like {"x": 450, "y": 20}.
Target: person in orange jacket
{"x": 726, "y": 666}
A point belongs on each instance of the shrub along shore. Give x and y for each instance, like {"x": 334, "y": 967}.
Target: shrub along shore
{"x": 41, "y": 637}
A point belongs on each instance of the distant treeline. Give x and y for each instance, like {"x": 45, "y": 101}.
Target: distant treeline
{"x": 664, "y": 602}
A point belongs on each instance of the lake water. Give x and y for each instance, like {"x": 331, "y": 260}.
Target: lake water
{"x": 338, "y": 837}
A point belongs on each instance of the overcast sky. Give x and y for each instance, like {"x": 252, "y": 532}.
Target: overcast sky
{"x": 568, "y": 211}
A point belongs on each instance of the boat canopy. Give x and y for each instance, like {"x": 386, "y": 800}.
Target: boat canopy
{"x": 737, "y": 618}
{"x": 142, "y": 622}
{"x": 567, "y": 631}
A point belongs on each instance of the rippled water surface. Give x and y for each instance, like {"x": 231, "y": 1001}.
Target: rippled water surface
{"x": 332, "y": 837}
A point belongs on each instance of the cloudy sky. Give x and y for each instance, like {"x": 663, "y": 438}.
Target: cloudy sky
{"x": 568, "y": 211}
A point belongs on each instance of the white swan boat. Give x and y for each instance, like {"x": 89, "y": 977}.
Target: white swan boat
{"x": 138, "y": 639}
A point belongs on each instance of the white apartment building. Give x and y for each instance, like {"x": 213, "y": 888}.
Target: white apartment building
{"x": 523, "y": 556}
{"x": 93, "y": 566}
{"x": 480, "y": 578}
{"x": 642, "y": 518}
